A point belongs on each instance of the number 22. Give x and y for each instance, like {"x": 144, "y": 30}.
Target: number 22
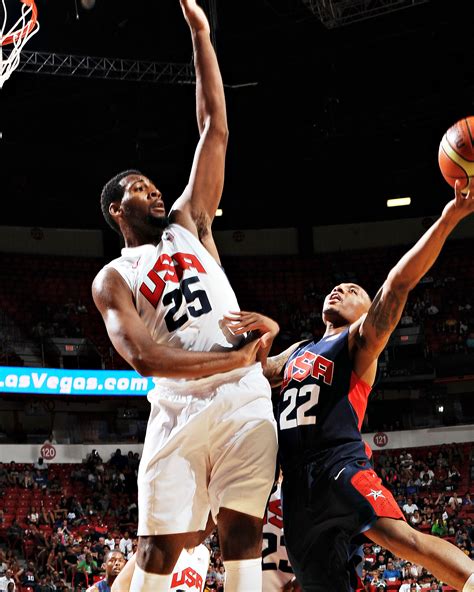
{"x": 302, "y": 417}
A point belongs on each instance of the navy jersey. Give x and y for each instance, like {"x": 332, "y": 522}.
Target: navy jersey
{"x": 322, "y": 406}
{"x": 102, "y": 586}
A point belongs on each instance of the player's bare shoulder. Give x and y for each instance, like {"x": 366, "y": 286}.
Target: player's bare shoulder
{"x": 108, "y": 287}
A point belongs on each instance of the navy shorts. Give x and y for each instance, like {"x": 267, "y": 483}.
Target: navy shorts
{"x": 324, "y": 514}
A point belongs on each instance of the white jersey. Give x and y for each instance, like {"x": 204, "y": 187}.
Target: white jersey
{"x": 180, "y": 292}
{"x": 190, "y": 570}
{"x": 275, "y": 565}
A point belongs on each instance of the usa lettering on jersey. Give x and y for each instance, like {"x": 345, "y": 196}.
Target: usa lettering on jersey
{"x": 168, "y": 269}
{"x": 188, "y": 577}
{"x": 309, "y": 364}
{"x": 274, "y": 555}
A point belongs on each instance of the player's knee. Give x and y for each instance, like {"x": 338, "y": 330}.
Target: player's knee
{"x": 240, "y": 536}
{"x": 155, "y": 555}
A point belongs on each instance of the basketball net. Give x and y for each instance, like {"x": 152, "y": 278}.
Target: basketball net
{"x": 24, "y": 28}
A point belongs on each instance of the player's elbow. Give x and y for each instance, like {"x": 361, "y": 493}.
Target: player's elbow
{"x": 397, "y": 283}
{"x": 216, "y": 129}
{"x": 142, "y": 365}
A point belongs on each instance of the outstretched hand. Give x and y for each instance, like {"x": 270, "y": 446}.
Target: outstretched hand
{"x": 195, "y": 16}
{"x": 267, "y": 329}
{"x": 463, "y": 203}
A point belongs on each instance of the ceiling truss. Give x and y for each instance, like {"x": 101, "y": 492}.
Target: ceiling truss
{"x": 336, "y": 13}
{"x": 55, "y": 64}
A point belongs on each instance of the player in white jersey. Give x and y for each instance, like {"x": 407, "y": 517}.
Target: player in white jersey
{"x": 190, "y": 570}
{"x": 277, "y": 572}
{"x": 189, "y": 573}
{"x": 211, "y": 436}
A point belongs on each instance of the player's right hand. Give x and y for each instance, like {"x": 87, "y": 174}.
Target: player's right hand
{"x": 248, "y": 353}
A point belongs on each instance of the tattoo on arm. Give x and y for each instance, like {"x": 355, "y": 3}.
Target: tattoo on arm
{"x": 384, "y": 314}
{"x": 275, "y": 367}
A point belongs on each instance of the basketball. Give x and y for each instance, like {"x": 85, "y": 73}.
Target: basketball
{"x": 456, "y": 152}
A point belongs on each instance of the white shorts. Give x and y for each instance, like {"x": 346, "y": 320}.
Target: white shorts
{"x": 204, "y": 451}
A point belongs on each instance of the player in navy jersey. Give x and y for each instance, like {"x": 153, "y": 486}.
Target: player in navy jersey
{"x": 114, "y": 562}
{"x": 331, "y": 494}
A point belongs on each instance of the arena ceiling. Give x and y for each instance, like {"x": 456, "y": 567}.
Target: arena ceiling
{"x": 326, "y": 123}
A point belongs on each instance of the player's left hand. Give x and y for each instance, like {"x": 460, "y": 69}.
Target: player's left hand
{"x": 241, "y": 321}
{"x": 195, "y": 16}
{"x": 463, "y": 203}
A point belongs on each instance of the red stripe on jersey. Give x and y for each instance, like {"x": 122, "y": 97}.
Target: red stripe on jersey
{"x": 359, "y": 392}
{"x": 369, "y": 485}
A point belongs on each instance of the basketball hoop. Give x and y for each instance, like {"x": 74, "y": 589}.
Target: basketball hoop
{"x": 16, "y": 36}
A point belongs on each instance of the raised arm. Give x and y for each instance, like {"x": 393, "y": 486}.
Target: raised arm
{"x": 134, "y": 343}
{"x": 384, "y": 314}
{"x": 196, "y": 208}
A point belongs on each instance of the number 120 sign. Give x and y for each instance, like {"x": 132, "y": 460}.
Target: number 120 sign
{"x": 48, "y": 452}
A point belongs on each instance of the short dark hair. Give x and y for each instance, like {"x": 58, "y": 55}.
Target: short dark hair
{"x": 112, "y": 552}
{"x": 113, "y": 191}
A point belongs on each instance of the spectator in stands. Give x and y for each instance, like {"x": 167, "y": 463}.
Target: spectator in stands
{"x": 125, "y": 545}
{"x": 70, "y": 561}
{"x": 13, "y": 475}
{"x": 391, "y": 573}
{"x": 415, "y": 518}
{"x": 40, "y": 480}
{"x": 26, "y": 479}
{"x": 426, "y": 471}
{"x": 29, "y": 577}
{"x": 430, "y": 460}
{"x": 409, "y": 507}
{"x": 464, "y": 540}
{"x": 441, "y": 460}
{"x": 33, "y": 516}
{"x": 46, "y": 585}
{"x": 467, "y": 501}
{"x": 369, "y": 557}
{"x": 425, "y": 482}
{"x": 381, "y": 562}
{"x": 118, "y": 460}
{"x": 378, "y": 583}
{"x": 86, "y": 569}
{"x": 408, "y": 585}
{"x": 455, "y": 502}
{"x": 40, "y": 465}
{"x": 5, "y": 580}
{"x": 109, "y": 540}
{"x": 454, "y": 475}
{"x": 93, "y": 459}
{"x": 440, "y": 526}
{"x": 64, "y": 532}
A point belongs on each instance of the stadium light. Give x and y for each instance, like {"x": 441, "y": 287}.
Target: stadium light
{"x": 398, "y": 201}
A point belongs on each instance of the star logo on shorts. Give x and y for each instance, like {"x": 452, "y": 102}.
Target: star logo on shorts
{"x": 375, "y": 494}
